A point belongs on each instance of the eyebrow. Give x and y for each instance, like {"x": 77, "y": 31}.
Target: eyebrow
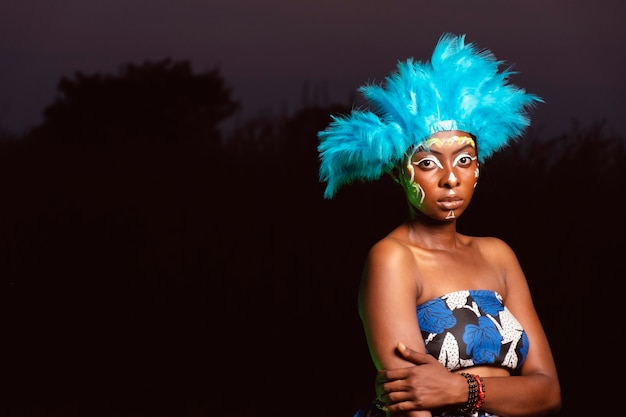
{"x": 420, "y": 149}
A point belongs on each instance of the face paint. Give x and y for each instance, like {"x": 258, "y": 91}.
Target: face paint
{"x": 414, "y": 192}
{"x": 462, "y": 159}
{"x": 428, "y": 174}
{"x": 419, "y": 193}
{"x": 427, "y": 160}
{"x": 458, "y": 140}
{"x": 476, "y": 173}
{"x": 412, "y": 171}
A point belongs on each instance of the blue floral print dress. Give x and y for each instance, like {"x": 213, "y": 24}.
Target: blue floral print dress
{"x": 467, "y": 328}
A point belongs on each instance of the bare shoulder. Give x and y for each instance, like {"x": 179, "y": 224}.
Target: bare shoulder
{"x": 495, "y": 248}
{"x": 389, "y": 279}
{"x": 500, "y": 254}
{"x": 389, "y": 250}
{"x": 390, "y": 260}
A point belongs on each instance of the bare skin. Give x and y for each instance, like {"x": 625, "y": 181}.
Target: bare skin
{"x": 426, "y": 258}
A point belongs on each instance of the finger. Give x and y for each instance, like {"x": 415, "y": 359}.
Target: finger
{"x": 400, "y": 407}
{"x": 393, "y": 398}
{"x": 412, "y": 355}
{"x": 381, "y": 376}
{"x": 390, "y": 375}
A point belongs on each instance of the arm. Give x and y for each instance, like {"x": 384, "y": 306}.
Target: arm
{"x": 536, "y": 391}
{"x": 508, "y": 395}
{"x": 387, "y": 305}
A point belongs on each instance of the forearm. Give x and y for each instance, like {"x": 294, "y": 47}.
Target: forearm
{"x": 521, "y": 396}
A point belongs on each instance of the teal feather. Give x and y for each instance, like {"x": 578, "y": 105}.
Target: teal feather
{"x": 460, "y": 88}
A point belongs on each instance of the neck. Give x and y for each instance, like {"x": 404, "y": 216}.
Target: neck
{"x": 431, "y": 234}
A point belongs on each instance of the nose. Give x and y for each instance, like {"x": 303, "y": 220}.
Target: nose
{"x": 451, "y": 180}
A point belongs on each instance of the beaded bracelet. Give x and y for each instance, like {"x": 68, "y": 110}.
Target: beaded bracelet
{"x": 472, "y": 396}
{"x": 475, "y": 395}
{"x": 481, "y": 391}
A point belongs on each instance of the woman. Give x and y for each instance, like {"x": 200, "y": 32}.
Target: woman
{"x": 460, "y": 303}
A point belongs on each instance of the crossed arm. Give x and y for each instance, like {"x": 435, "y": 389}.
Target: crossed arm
{"x": 429, "y": 385}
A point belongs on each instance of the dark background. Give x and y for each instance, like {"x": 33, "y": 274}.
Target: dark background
{"x": 152, "y": 266}
{"x": 570, "y": 52}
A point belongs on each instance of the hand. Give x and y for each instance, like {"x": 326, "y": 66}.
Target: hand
{"x": 423, "y": 386}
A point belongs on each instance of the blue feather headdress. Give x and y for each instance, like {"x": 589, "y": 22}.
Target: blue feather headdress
{"x": 460, "y": 88}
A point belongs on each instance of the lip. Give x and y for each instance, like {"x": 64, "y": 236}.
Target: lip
{"x": 450, "y": 203}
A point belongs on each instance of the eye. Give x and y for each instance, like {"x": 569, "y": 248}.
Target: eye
{"x": 463, "y": 160}
{"x": 428, "y": 163}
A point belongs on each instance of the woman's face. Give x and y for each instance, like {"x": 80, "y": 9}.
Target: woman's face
{"x": 440, "y": 176}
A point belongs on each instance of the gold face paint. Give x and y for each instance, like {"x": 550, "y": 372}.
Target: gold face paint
{"x": 452, "y": 140}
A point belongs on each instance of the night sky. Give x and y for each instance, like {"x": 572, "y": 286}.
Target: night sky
{"x": 570, "y": 52}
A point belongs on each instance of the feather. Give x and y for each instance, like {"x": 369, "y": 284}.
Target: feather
{"x": 459, "y": 88}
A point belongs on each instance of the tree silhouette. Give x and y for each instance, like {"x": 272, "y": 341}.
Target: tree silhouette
{"x": 155, "y": 102}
